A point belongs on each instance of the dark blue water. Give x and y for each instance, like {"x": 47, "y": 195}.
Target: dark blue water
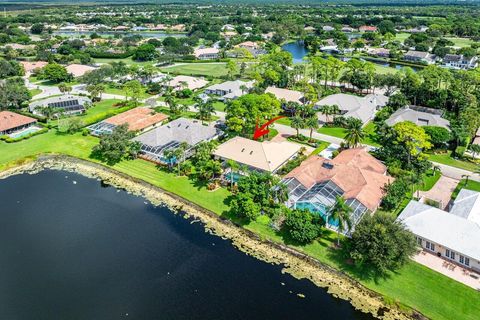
{"x": 297, "y": 49}
{"x": 71, "y": 248}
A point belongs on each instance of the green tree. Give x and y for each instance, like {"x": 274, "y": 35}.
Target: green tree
{"x": 13, "y": 94}
{"x": 301, "y": 226}
{"x": 297, "y": 123}
{"x": 133, "y": 89}
{"x": 381, "y": 244}
{"x": 312, "y": 123}
{"x": 145, "y": 52}
{"x": 413, "y": 138}
{"x": 232, "y": 68}
{"x": 117, "y": 146}
{"x": 340, "y": 212}
{"x": 55, "y": 73}
{"x": 354, "y": 133}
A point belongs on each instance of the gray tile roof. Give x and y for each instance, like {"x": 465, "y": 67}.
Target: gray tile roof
{"x": 179, "y": 130}
{"x": 419, "y": 116}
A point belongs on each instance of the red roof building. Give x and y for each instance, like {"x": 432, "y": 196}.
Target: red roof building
{"x": 11, "y": 122}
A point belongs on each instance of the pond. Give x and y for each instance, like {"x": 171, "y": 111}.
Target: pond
{"x": 299, "y": 51}
{"x": 75, "y": 248}
{"x": 149, "y": 34}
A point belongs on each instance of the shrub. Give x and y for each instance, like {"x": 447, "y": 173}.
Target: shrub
{"x": 302, "y": 226}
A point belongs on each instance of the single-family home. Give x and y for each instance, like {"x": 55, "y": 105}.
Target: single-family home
{"x": 421, "y": 116}
{"x": 249, "y": 45}
{"x": 230, "y": 89}
{"x": 187, "y": 82}
{"x": 138, "y": 119}
{"x": 367, "y": 29}
{"x": 78, "y": 70}
{"x": 459, "y": 62}
{"x": 206, "y": 53}
{"x": 65, "y": 105}
{"x": 453, "y": 235}
{"x": 286, "y": 94}
{"x": 31, "y": 66}
{"x": 169, "y": 136}
{"x": 11, "y": 122}
{"x": 379, "y": 52}
{"x": 328, "y": 28}
{"x": 353, "y": 174}
{"x": 419, "y": 56}
{"x": 260, "y": 156}
{"x": 362, "y": 108}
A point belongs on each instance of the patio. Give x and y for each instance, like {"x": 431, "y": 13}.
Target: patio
{"x": 449, "y": 269}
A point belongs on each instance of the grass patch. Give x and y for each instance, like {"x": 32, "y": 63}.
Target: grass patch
{"x": 463, "y": 184}
{"x": 34, "y": 92}
{"x": 216, "y": 70}
{"x": 118, "y": 91}
{"x": 446, "y": 158}
{"x": 429, "y": 180}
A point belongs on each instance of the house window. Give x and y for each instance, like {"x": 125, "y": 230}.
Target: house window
{"x": 447, "y": 253}
{"x": 419, "y": 241}
{"x": 430, "y": 246}
{"x": 464, "y": 260}
{"x": 450, "y": 254}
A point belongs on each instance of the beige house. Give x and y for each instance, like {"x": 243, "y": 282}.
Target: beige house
{"x": 78, "y": 70}
{"x": 206, "y": 53}
{"x": 286, "y": 94}
{"x": 261, "y": 156}
{"x": 182, "y": 82}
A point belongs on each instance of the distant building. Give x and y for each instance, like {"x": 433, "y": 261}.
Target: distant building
{"x": 11, "y": 122}
{"x": 169, "y": 136}
{"x": 328, "y": 28}
{"x": 187, "y": 82}
{"x": 230, "y": 89}
{"x": 353, "y": 174}
{"x": 260, "y": 156}
{"x": 30, "y": 67}
{"x": 454, "y": 235}
{"x": 139, "y": 119}
{"x": 286, "y": 94}
{"x": 419, "y": 56}
{"x": 361, "y": 108}
{"x": 379, "y": 52}
{"x": 459, "y": 61}
{"x": 206, "y": 53}
{"x": 367, "y": 29}
{"x": 65, "y": 105}
{"x": 78, "y": 70}
{"x": 420, "y": 116}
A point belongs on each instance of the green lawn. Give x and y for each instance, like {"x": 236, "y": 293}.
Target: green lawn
{"x": 429, "y": 180}
{"x": 125, "y": 60}
{"x": 435, "y": 295}
{"x": 445, "y": 158}
{"x": 401, "y": 36}
{"x": 338, "y": 132}
{"x": 34, "y": 92}
{"x": 384, "y": 70}
{"x": 463, "y": 184}
{"x": 461, "y": 42}
{"x": 118, "y": 91}
{"x": 199, "y": 69}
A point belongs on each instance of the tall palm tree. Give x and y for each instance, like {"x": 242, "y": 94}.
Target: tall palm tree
{"x": 312, "y": 123}
{"x": 341, "y": 213}
{"x": 233, "y": 165}
{"x": 326, "y": 110}
{"x": 297, "y": 123}
{"x": 355, "y": 133}
{"x": 205, "y": 110}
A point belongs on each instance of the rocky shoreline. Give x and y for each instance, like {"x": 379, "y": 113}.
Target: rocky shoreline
{"x": 295, "y": 263}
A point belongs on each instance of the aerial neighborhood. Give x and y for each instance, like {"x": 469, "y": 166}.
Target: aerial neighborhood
{"x": 351, "y": 136}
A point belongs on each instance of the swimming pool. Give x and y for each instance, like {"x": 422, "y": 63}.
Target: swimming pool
{"x": 24, "y": 132}
{"x": 317, "y": 209}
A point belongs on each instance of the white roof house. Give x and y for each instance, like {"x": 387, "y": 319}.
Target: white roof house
{"x": 78, "y": 70}
{"x": 264, "y": 156}
{"x": 457, "y": 230}
{"x": 230, "y": 89}
{"x": 206, "y": 53}
{"x": 191, "y": 83}
{"x": 286, "y": 94}
{"x": 362, "y": 108}
{"x": 420, "y": 116}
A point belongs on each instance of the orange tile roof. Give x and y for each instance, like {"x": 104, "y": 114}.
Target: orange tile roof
{"x": 137, "y": 118}
{"x": 10, "y": 120}
{"x": 31, "y": 66}
{"x": 355, "y": 171}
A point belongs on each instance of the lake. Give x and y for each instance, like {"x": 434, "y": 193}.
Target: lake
{"x": 74, "y": 248}
{"x": 299, "y": 51}
{"x": 149, "y": 34}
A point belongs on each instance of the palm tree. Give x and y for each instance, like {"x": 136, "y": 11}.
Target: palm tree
{"x": 297, "y": 123}
{"x": 205, "y": 110}
{"x": 355, "y": 133}
{"x": 341, "y": 213}
{"x": 233, "y": 165}
{"x": 326, "y": 110}
{"x": 312, "y": 123}
{"x": 474, "y": 149}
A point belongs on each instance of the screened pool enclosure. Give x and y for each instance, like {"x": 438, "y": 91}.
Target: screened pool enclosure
{"x": 320, "y": 198}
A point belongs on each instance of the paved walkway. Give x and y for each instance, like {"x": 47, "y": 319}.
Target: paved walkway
{"x": 441, "y": 191}
{"x": 449, "y": 269}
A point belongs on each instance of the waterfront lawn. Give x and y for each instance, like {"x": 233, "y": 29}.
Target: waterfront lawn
{"x": 413, "y": 285}
{"x": 463, "y": 184}
{"x": 214, "y": 69}
{"x": 447, "y": 159}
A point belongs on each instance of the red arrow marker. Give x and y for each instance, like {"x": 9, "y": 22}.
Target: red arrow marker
{"x": 260, "y": 132}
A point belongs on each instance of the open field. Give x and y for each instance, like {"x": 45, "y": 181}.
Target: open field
{"x": 214, "y": 69}
{"x": 403, "y": 287}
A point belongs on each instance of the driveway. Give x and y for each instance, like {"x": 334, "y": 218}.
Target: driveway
{"x": 441, "y": 191}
